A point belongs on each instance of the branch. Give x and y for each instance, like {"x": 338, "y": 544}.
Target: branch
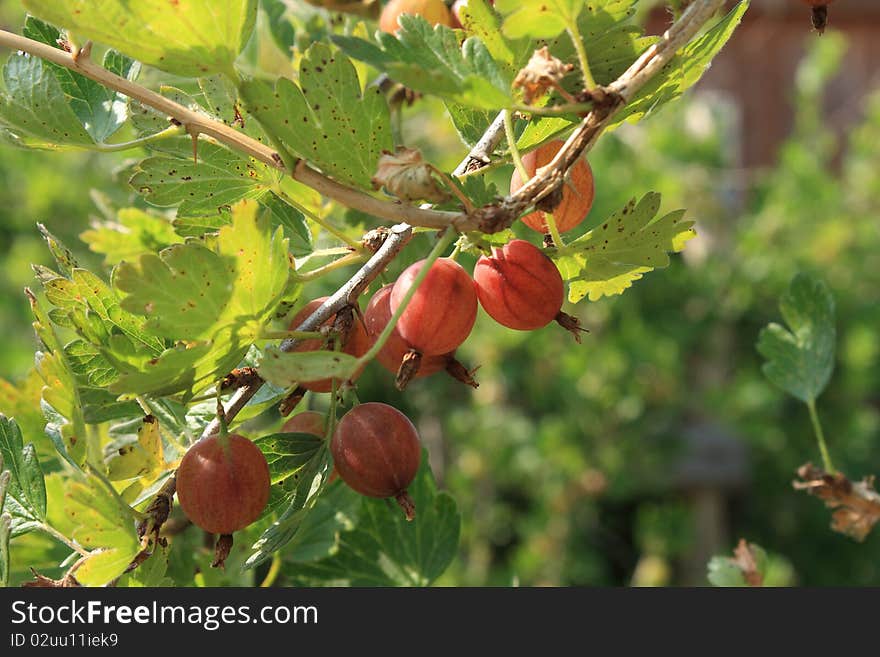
{"x": 197, "y": 124}
{"x": 491, "y": 219}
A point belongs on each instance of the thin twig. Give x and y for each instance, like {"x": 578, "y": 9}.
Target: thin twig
{"x": 197, "y": 124}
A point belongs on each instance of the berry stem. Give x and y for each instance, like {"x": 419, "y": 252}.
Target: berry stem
{"x": 550, "y": 220}
{"x": 511, "y": 143}
{"x": 578, "y": 41}
{"x": 408, "y": 505}
{"x": 445, "y": 240}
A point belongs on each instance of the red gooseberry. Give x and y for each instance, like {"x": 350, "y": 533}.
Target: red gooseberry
{"x": 376, "y": 451}
{"x": 441, "y": 312}
{"x": 310, "y": 422}
{"x": 223, "y": 483}
{"x": 577, "y": 192}
{"x": 433, "y": 11}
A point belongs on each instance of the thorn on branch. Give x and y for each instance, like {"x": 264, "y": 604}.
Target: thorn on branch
{"x": 81, "y": 54}
{"x": 43, "y": 582}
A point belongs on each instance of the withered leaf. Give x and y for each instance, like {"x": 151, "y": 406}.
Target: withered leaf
{"x": 856, "y": 504}
{"x": 407, "y": 176}
{"x": 542, "y": 73}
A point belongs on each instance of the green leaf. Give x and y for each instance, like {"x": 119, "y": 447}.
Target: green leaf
{"x": 327, "y": 120}
{"x": 481, "y": 21}
{"x": 286, "y": 369}
{"x": 89, "y": 364}
{"x": 722, "y": 571}
{"x": 800, "y": 360}
{"x": 288, "y": 453}
{"x": 310, "y": 480}
{"x": 608, "y": 259}
{"x": 62, "y": 408}
{"x": 280, "y": 27}
{"x": 34, "y": 107}
{"x": 191, "y": 292}
{"x": 538, "y": 19}
{"x": 183, "y": 290}
{"x": 431, "y": 60}
{"x": 385, "y": 550}
{"x": 26, "y": 485}
{"x": 100, "y": 110}
{"x": 682, "y": 71}
{"x": 132, "y": 233}
{"x": 219, "y": 179}
{"x": 103, "y": 566}
{"x": 100, "y": 521}
{"x": 335, "y": 511}
{"x": 186, "y": 37}
{"x": 296, "y": 230}
{"x": 64, "y": 257}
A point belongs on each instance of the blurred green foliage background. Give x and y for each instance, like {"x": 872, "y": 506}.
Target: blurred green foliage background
{"x": 569, "y": 462}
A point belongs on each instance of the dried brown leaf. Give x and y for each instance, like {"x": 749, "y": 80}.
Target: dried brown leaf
{"x": 542, "y": 73}
{"x": 745, "y": 559}
{"x": 856, "y": 505}
{"x": 407, "y": 176}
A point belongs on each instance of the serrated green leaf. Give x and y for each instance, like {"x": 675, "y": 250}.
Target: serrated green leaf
{"x": 190, "y": 292}
{"x": 800, "y": 360}
{"x": 100, "y": 110}
{"x": 183, "y": 290}
{"x": 682, "y": 71}
{"x": 384, "y": 549}
{"x": 327, "y": 120}
{"x": 286, "y": 369}
{"x": 21, "y": 399}
{"x": 186, "y": 37}
{"x": 608, "y": 259}
{"x": 26, "y": 485}
{"x": 134, "y": 232}
{"x": 479, "y": 20}
{"x": 288, "y": 453}
{"x": 431, "y": 60}
{"x": 219, "y": 179}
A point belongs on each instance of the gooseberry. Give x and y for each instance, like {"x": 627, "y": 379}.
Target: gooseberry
{"x": 223, "y": 483}
{"x": 376, "y": 451}
{"x": 442, "y": 311}
{"x": 433, "y": 11}
{"x": 577, "y": 192}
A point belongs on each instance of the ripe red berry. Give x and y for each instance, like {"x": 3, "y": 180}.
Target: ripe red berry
{"x": 310, "y": 422}
{"x": 376, "y": 317}
{"x": 356, "y": 344}
{"x": 376, "y": 451}
{"x": 577, "y": 193}
{"x": 433, "y": 11}
{"x": 519, "y": 286}
{"x": 396, "y": 354}
{"x": 223, "y": 483}
{"x": 442, "y": 311}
